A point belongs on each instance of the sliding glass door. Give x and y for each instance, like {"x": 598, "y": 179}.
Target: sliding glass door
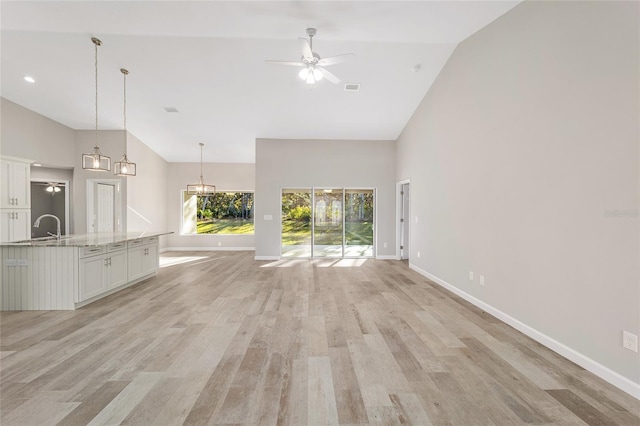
{"x": 358, "y": 223}
{"x": 296, "y": 223}
{"x": 328, "y": 222}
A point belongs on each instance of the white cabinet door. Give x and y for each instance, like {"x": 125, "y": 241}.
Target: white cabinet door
{"x": 21, "y": 183}
{"x": 6, "y": 225}
{"x": 22, "y": 225}
{"x": 142, "y": 261}
{"x": 92, "y": 276}
{"x": 117, "y": 269}
{"x": 135, "y": 263}
{"x": 151, "y": 259}
{"x": 5, "y": 184}
{"x": 15, "y": 185}
{"x": 15, "y": 225}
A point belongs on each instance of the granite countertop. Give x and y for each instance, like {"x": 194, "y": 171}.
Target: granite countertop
{"x": 84, "y": 240}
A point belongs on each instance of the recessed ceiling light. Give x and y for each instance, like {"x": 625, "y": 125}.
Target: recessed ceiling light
{"x": 416, "y": 67}
{"x": 37, "y": 165}
{"x": 171, "y": 109}
{"x": 29, "y": 79}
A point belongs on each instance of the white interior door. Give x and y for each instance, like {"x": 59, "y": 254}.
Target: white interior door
{"x": 405, "y": 223}
{"x": 105, "y": 208}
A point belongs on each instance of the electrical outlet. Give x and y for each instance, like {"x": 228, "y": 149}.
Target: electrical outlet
{"x": 481, "y": 279}
{"x": 630, "y": 341}
{"x": 418, "y": 255}
{"x": 219, "y": 243}
{"x": 384, "y": 245}
{"x": 470, "y": 275}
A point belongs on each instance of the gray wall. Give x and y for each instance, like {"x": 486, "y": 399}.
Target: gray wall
{"x": 323, "y": 163}
{"x": 42, "y": 202}
{"x": 111, "y": 143}
{"x": 147, "y": 191}
{"x": 527, "y": 139}
{"x": 54, "y": 175}
{"x": 226, "y": 177}
{"x": 26, "y": 134}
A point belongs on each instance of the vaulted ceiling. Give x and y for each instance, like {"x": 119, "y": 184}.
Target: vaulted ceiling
{"x": 207, "y": 60}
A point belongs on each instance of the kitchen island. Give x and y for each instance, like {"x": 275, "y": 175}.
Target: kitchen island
{"x": 65, "y": 274}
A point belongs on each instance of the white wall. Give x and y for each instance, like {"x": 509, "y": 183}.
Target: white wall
{"x": 226, "y": 177}
{"x": 527, "y": 139}
{"x": 322, "y": 163}
{"x": 26, "y": 134}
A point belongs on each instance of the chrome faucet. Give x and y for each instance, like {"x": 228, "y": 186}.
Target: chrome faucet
{"x": 36, "y": 224}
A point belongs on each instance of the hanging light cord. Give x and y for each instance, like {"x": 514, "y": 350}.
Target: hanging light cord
{"x": 201, "y": 145}
{"x": 125, "y": 72}
{"x": 97, "y": 43}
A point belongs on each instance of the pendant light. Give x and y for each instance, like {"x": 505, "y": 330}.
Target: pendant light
{"x": 124, "y": 167}
{"x": 95, "y": 160}
{"x": 201, "y": 188}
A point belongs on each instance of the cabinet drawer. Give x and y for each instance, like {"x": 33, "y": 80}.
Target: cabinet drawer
{"x": 117, "y": 246}
{"x": 150, "y": 240}
{"x": 91, "y": 251}
{"x": 136, "y": 243}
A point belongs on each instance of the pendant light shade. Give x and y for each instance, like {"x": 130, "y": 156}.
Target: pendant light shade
{"x": 201, "y": 188}
{"x": 96, "y": 161}
{"x": 124, "y": 167}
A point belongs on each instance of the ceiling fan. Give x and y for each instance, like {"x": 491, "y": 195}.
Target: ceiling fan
{"x": 51, "y": 187}
{"x": 313, "y": 64}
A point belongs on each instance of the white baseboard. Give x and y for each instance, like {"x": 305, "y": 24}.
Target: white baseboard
{"x": 605, "y": 373}
{"x": 267, "y": 258}
{"x": 386, "y": 257}
{"x": 208, "y": 248}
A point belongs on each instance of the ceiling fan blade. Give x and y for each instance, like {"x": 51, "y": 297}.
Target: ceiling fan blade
{"x": 289, "y": 63}
{"x": 329, "y": 76}
{"x": 306, "y": 49}
{"x": 335, "y": 59}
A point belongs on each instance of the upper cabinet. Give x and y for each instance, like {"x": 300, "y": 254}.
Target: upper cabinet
{"x": 15, "y": 187}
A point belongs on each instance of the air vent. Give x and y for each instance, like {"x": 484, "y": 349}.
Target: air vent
{"x": 171, "y": 109}
{"x": 352, "y": 87}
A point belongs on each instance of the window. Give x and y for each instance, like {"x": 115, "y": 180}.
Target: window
{"x": 222, "y": 213}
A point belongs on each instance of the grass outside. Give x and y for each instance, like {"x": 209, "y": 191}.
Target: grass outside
{"x": 225, "y": 226}
{"x": 295, "y": 232}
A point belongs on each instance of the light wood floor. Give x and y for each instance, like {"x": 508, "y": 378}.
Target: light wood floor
{"x": 224, "y": 339}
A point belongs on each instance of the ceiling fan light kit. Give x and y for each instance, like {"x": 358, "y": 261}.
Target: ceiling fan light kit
{"x": 313, "y": 64}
